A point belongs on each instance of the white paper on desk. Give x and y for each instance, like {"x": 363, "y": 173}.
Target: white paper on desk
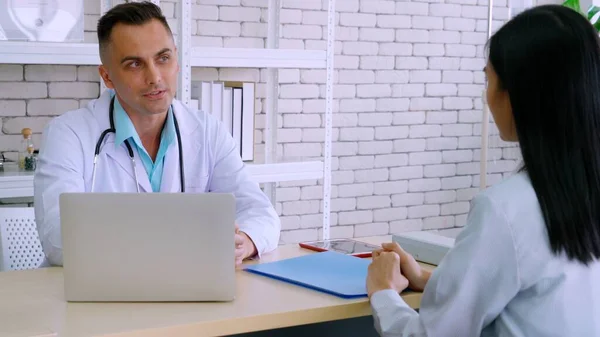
{"x": 42, "y": 20}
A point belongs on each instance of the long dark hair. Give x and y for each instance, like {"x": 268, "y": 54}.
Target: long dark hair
{"x": 548, "y": 59}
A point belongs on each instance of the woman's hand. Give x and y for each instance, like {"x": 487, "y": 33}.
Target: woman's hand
{"x": 384, "y": 273}
{"x": 410, "y": 268}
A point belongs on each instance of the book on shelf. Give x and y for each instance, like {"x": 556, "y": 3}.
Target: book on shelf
{"x": 232, "y": 103}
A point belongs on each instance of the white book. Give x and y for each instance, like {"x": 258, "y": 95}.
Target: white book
{"x": 237, "y": 118}
{"x": 217, "y": 100}
{"x": 206, "y": 97}
{"x": 227, "y": 110}
{"x": 248, "y": 122}
{"x": 196, "y": 90}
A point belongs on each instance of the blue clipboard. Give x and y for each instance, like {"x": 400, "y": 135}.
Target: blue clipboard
{"x": 329, "y": 272}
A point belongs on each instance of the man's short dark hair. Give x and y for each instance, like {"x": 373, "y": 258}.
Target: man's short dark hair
{"x": 130, "y": 13}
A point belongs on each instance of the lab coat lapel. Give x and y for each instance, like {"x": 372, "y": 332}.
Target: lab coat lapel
{"x": 142, "y": 175}
{"x": 191, "y": 142}
{"x": 188, "y": 124}
{"x": 118, "y": 155}
{"x": 100, "y": 109}
{"x": 170, "y": 176}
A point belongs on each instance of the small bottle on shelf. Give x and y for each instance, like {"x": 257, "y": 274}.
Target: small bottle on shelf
{"x": 30, "y": 160}
{"x": 27, "y": 148}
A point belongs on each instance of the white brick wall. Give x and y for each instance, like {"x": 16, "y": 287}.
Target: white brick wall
{"x": 407, "y": 106}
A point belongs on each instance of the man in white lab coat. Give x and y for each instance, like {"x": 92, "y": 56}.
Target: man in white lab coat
{"x": 139, "y": 66}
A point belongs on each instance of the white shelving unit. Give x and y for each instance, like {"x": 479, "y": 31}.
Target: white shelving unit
{"x": 266, "y": 173}
{"x": 16, "y": 184}
{"x": 271, "y": 58}
{"x": 257, "y": 58}
{"x": 15, "y": 52}
{"x": 483, "y": 158}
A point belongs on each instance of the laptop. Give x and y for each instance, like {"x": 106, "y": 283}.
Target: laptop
{"x": 148, "y": 247}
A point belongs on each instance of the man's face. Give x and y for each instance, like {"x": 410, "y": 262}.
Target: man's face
{"x": 140, "y": 64}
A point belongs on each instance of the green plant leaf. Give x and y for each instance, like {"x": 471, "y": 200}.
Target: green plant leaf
{"x": 593, "y": 12}
{"x": 589, "y": 14}
{"x": 573, "y": 4}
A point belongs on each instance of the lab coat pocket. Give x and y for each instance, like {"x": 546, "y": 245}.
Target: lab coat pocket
{"x": 198, "y": 184}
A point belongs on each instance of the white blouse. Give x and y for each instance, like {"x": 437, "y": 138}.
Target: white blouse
{"x": 500, "y": 279}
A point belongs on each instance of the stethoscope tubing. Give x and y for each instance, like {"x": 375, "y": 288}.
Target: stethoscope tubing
{"x": 130, "y": 150}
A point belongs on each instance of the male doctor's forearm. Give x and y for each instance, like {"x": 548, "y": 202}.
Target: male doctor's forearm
{"x": 256, "y": 215}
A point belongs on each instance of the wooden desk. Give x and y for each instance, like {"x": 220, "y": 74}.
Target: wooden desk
{"x": 32, "y": 304}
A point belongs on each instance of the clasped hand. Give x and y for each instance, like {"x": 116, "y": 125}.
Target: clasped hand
{"x": 393, "y": 268}
{"x": 244, "y": 247}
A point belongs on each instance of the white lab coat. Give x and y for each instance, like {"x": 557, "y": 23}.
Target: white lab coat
{"x": 211, "y": 164}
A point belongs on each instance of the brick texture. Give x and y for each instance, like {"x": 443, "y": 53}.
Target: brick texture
{"x": 407, "y": 106}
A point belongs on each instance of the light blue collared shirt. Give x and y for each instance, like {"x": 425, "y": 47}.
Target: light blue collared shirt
{"x": 126, "y": 131}
{"x": 500, "y": 279}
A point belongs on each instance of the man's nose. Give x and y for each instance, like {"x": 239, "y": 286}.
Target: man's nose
{"x": 153, "y": 75}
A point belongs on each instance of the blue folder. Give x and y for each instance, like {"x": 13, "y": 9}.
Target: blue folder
{"x": 330, "y": 272}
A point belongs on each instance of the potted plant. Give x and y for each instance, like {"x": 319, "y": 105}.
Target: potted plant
{"x": 593, "y": 12}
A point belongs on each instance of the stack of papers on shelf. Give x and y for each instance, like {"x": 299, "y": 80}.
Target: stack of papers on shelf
{"x": 329, "y": 272}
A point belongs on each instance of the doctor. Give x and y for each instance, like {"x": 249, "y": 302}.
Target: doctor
{"x": 153, "y": 135}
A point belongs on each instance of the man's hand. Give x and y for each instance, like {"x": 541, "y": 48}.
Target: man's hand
{"x": 410, "y": 268}
{"x": 384, "y": 273}
{"x": 244, "y": 247}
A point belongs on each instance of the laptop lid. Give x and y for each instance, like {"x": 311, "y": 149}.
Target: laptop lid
{"x": 148, "y": 246}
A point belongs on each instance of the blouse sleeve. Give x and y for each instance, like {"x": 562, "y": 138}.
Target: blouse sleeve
{"x": 470, "y": 287}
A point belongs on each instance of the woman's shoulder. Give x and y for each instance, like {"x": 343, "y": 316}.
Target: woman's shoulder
{"x": 517, "y": 182}
{"x": 517, "y": 208}
{"x": 514, "y": 205}
{"x": 515, "y": 193}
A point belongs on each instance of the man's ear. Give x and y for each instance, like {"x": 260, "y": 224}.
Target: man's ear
{"x": 104, "y": 75}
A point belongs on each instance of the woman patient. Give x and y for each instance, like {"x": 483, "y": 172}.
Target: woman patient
{"x": 528, "y": 261}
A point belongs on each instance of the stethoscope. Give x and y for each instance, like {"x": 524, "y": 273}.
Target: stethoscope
{"x": 130, "y": 150}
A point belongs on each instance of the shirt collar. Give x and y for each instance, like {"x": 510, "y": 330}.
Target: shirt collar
{"x": 125, "y": 128}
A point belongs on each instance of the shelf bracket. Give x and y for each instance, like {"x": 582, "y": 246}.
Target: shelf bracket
{"x": 328, "y": 120}
{"x": 184, "y": 36}
{"x": 270, "y": 136}
{"x": 485, "y": 120}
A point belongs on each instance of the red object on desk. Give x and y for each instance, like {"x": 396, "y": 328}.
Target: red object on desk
{"x": 345, "y": 246}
